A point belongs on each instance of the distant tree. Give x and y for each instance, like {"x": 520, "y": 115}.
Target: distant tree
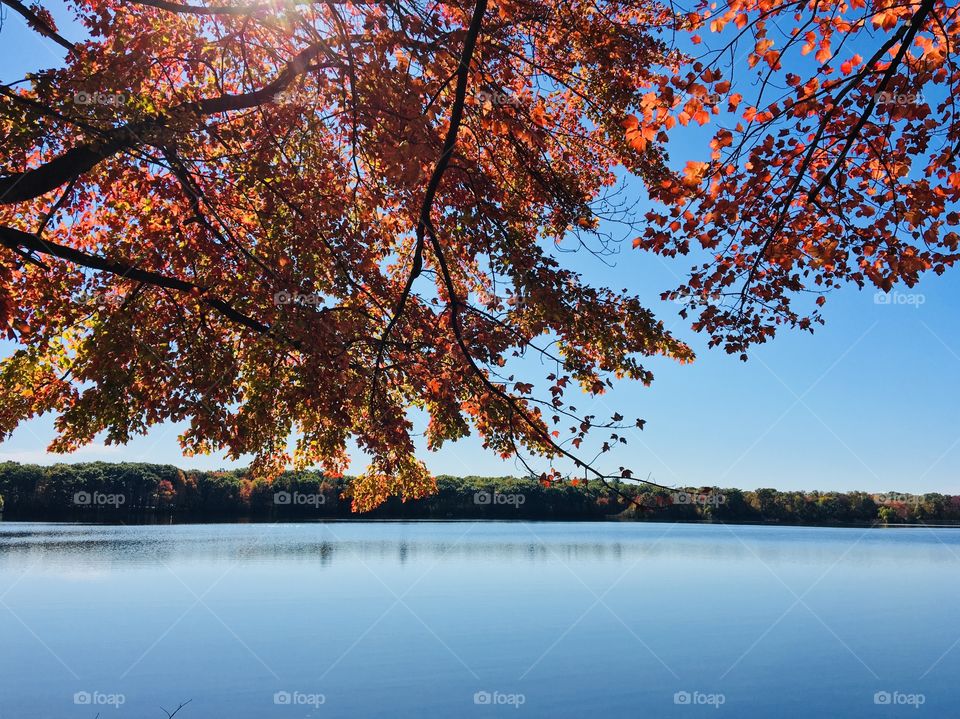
{"x": 165, "y": 493}
{"x": 887, "y": 515}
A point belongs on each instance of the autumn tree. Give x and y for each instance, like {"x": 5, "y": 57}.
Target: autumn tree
{"x": 834, "y": 158}
{"x": 313, "y": 216}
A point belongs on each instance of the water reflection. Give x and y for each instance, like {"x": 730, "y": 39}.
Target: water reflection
{"x": 325, "y": 543}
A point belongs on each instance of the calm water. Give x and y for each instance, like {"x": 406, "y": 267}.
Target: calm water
{"x": 414, "y": 619}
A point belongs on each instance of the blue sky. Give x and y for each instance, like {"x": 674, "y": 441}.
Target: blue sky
{"x": 868, "y": 402}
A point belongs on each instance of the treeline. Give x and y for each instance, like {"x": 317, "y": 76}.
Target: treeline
{"x": 100, "y": 491}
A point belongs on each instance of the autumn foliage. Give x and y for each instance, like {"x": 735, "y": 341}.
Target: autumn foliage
{"x": 313, "y": 217}
{"x": 834, "y": 159}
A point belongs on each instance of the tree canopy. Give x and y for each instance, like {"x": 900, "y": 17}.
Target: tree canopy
{"x": 312, "y": 216}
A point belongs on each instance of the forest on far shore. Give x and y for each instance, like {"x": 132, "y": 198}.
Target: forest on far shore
{"x": 99, "y": 491}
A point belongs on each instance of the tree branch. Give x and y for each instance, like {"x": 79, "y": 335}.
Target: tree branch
{"x": 21, "y": 186}
{"x": 38, "y": 23}
{"x": 18, "y": 240}
{"x": 449, "y": 144}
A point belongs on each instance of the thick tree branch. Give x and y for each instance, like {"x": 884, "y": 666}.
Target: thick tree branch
{"x": 21, "y": 186}
{"x": 18, "y": 240}
{"x": 38, "y": 23}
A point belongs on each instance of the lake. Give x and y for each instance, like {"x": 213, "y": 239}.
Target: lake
{"x": 464, "y": 619}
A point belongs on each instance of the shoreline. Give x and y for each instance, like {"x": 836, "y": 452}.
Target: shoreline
{"x": 171, "y": 521}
